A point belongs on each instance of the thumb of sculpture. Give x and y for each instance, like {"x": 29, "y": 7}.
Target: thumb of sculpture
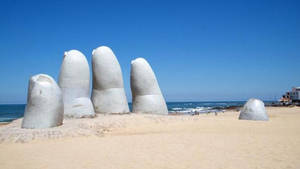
{"x": 44, "y": 107}
{"x": 108, "y": 95}
{"x": 254, "y": 109}
{"x": 146, "y": 94}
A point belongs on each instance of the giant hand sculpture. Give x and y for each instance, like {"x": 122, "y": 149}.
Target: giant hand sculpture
{"x": 146, "y": 94}
{"x": 44, "y": 107}
{"x": 108, "y": 95}
{"x": 74, "y": 81}
{"x": 254, "y": 109}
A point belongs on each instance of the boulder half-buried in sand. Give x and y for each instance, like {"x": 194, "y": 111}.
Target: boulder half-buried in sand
{"x": 108, "y": 95}
{"x": 74, "y": 81}
{"x": 44, "y": 107}
{"x": 146, "y": 94}
{"x": 254, "y": 109}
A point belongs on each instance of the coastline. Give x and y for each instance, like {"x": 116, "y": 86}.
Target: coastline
{"x": 156, "y": 141}
{"x": 10, "y": 112}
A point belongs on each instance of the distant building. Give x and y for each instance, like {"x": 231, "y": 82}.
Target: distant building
{"x": 291, "y": 96}
{"x": 295, "y": 94}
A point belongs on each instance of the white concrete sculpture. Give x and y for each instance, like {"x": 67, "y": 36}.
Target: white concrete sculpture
{"x": 74, "y": 81}
{"x": 108, "y": 95}
{"x": 44, "y": 107}
{"x": 254, "y": 109}
{"x": 146, "y": 94}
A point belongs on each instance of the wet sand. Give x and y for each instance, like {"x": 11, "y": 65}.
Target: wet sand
{"x": 153, "y": 141}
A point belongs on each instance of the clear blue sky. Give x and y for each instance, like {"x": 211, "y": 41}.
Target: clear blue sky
{"x": 199, "y": 50}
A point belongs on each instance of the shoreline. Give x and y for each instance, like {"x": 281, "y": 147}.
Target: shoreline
{"x": 214, "y": 110}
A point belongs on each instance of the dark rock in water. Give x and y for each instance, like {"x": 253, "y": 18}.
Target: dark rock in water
{"x": 236, "y": 108}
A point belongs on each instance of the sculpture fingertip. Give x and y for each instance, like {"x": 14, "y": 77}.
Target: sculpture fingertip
{"x": 139, "y": 59}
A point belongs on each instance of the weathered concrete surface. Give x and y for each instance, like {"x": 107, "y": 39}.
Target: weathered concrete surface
{"x": 74, "y": 81}
{"x": 146, "y": 94}
{"x": 44, "y": 107}
{"x": 108, "y": 95}
{"x": 254, "y": 109}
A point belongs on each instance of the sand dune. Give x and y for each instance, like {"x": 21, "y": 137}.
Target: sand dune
{"x": 154, "y": 141}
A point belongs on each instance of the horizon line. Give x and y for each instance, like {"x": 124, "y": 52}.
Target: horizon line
{"x": 167, "y": 102}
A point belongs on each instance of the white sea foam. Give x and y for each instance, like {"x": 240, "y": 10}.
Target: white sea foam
{"x": 177, "y": 108}
{"x": 196, "y": 110}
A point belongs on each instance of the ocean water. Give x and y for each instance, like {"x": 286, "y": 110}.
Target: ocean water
{"x": 201, "y": 107}
{"x": 9, "y": 112}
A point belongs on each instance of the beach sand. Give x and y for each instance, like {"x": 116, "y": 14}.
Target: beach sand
{"x": 152, "y": 141}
